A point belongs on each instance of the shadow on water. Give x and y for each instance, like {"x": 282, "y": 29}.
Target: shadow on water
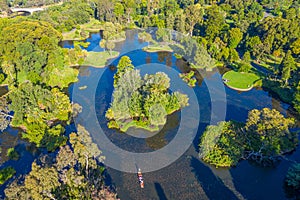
{"x": 214, "y": 188}
{"x": 160, "y": 191}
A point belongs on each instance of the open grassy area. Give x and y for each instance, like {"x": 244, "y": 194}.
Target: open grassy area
{"x": 92, "y": 26}
{"x": 99, "y": 59}
{"x": 157, "y": 48}
{"x": 240, "y": 81}
{"x": 76, "y": 34}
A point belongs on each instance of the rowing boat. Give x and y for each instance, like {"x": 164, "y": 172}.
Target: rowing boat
{"x": 141, "y": 180}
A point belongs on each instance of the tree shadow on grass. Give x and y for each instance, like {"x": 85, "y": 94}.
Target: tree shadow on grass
{"x": 213, "y": 187}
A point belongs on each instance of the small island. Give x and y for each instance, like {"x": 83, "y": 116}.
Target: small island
{"x": 240, "y": 81}
{"x": 189, "y": 78}
{"x": 141, "y": 102}
{"x": 263, "y": 139}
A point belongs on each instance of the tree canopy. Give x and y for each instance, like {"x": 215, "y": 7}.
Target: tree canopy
{"x": 142, "y": 102}
{"x": 263, "y": 138}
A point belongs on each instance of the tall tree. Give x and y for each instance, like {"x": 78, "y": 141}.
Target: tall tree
{"x": 195, "y": 15}
{"x": 287, "y": 66}
{"x": 268, "y": 134}
{"x": 235, "y": 37}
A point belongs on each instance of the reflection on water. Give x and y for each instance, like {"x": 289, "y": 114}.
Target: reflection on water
{"x": 7, "y": 141}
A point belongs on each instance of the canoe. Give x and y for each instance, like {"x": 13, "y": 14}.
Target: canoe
{"x": 141, "y": 180}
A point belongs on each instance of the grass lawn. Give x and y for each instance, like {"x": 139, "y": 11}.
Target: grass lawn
{"x": 126, "y": 126}
{"x": 157, "y": 48}
{"x": 240, "y": 81}
{"x": 74, "y": 35}
{"x": 92, "y": 26}
{"x": 99, "y": 59}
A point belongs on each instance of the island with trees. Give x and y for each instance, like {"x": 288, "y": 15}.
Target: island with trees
{"x": 142, "y": 102}
{"x": 264, "y": 138}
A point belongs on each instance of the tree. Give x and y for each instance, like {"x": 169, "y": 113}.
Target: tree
{"x": 157, "y": 115}
{"x": 215, "y": 22}
{"x": 85, "y": 151}
{"x": 296, "y": 100}
{"x": 247, "y": 57}
{"x": 235, "y": 37}
{"x": 195, "y": 14}
{"x": 145, "y": 37}
{"x": 244, "y": 67}
{"x": 41, "y": 182}
{"x": 75, "y": 174}
{"x": 142, "y": 102}
{"x": 287, "y": 66}
{"x": 110, "y": 45}
{"x": 233, "y": 56}
{"x": 180, "y": 20}
{"x": 296, "y": 47}
{"x": 221, "y": 145}
{"x": 36, "y": 110}
{"x": 268, "y": 135}
{"x": 252, "y": 45}
{"x": 119, "y": 11}
{"x": 123, "y": 66}
{"x": 102, "y": 44}
{"x": 6, "y": 173}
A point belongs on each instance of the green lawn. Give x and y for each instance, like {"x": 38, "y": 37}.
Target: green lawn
{"x": 157, "y": 48}
{"x": 240, "y": 81}
{"x": 99, "y": 59}
{"x": 126, "y": 126}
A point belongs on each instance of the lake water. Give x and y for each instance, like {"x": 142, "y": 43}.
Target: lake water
{"x": 188, "y": 177}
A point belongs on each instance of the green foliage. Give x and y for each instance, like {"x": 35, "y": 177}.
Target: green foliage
{"x": 141, "y": 101}
{"x": 67, "y": 16}
{"x": 244, "y": 67}
{"x": 189, "y": 78}
{"x": 123, "y": 65}
{"x": 12, "y": 154}
{"x": 75, "y": 174}
{"x": 144, "y": 36}
{"x": 287, "y": 65}
{"x": 296, "y": 101}
{"x": 235, "y": 37}
{"x": 263, "y": 138}
{"x": 34, "y": 57}
{"x": 6, "y": 173}
{"x": 268, "y": 133}
{"x": 35, "y": 111}
{"x": 221, "y": 145}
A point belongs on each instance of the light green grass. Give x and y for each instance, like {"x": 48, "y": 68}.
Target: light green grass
{"x": 157, "y": 48}
{"x": 72, "y": 35}
{"x": 240, "y": 81}
{"x": 99, "y": 59}
{"x": 126, "y": 126}
{"x": 92, "y": 26}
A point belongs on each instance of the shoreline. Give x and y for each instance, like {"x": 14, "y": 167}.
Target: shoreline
{"x": 239, "y": 89}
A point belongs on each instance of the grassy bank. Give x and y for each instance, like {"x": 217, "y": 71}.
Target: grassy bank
{"x": 99, "y": 59}
{"x": 157, "y": 48}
